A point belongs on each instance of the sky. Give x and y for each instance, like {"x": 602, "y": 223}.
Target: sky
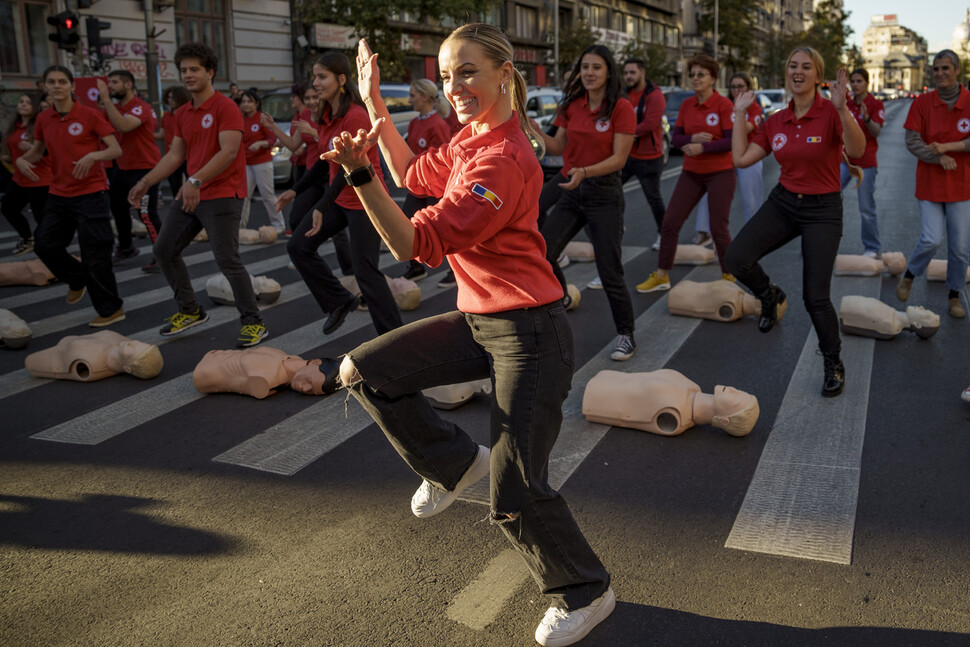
{"x": 934, "y": 20}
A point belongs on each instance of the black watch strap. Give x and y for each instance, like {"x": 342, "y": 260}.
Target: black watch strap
{"x": 360, "y": 176}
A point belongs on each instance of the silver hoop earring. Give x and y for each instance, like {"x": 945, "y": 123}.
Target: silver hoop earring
{"x": 503, "y": 88}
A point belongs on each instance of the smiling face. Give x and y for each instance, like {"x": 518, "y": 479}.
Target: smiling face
{"x": 247, "y": 105}
{"x": 326, "y": 83}
{"x": 594, "y": 72}
{"x": 195, "y": 77}
{"x": 311, "y": 98}
{"x": 701, "y": 80}
{"x": 944, "y": 73}
{"x": 473, "y": 83}
{"x": 801, "y": 73}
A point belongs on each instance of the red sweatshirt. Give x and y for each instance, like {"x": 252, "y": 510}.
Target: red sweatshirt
{"x": 486, "y": 220}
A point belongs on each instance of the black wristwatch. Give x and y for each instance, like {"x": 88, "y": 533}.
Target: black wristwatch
{"x": 360, "y": 176}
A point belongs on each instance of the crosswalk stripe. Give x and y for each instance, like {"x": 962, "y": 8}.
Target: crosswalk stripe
{"x": 801, "y": 501}
{"x": 479, "y": 603}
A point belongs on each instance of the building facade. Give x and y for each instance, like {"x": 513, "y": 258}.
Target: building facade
{"x": 895, "y": 57}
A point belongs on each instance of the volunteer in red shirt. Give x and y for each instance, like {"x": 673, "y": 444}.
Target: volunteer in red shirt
{"x": 646, "y": 159}
{"x": 938, "y": 134}
{"x": 751, "y": 184}
{"x": 807, "y": 139}
{"x": 135, "y": 122}
{"x": 703, "y": 133}
{"x": 174, "y": 98}
{"x": 342, "y": 110}
{"x": 208, "y": 135}
{"x": 78, "y": 141}
{"x": 870, "y": 114}
{"x": 427, "y": 130}
{"x": 22, "y": 190}
{"x": 257, "y": 142}
{"x": 596, "y": 125}
{"x": 510, "y": 325}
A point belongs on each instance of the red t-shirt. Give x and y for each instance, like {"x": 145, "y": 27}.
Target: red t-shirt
{"x": 254, "y": 131}
{"x": 649, "y": 129}
{"x": 427, "y": 132}
{"x": 877, "y": 114}
{"x": 300, "y": 159}
{"x": 809, "y": 149}
{"x": 68, "y": 139}
{"x": 138, "y": 147}
{"x": 168, "y": 123}
{"x": 355, "y": 119}
{"x": 754, "y": 115}
{"x": 486, "y": 220}
{"x": 589, "y": 139}
{"x": 713, "y": 116}
{"x": 930, "y": 117}
{"x": 200, "y": 128}
{"x": 41, "y": 168}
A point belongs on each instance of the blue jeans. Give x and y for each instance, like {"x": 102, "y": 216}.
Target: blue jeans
{"x": 867, "y": 206}
{"x": 528, "y": 354}
{"x": 751, "y": 186}
{"x": 598, "y": 202}
{"x": 937, "y": 219}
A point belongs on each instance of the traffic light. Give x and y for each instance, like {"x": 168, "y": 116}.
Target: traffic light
{"x": 65, "y": 35}
{"x": 95, "y": 40}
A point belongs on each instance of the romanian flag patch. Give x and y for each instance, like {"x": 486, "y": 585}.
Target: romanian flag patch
{"x": 478, "y": 189}
{"x": 813, "y": 140}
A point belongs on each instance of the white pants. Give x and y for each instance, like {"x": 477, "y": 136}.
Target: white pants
{"x": 261, "y": 176}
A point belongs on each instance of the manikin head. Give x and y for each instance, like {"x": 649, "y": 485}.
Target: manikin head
{"x": 133, "y": 357}
{"x": 895, "y": 262}
{"x": 316, "y": 377}
{"x": 267, "y": 235}
{"x": 922, "y": 321}
{"x": 736, "y": 412}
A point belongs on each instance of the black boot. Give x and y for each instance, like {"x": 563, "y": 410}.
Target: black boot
{"x": 834, "y": 375}
{"x": 773, "y": 304}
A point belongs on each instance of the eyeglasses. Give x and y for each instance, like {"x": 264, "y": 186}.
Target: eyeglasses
{"x": 739, "y": 87}
{"x": 696, "y": 75}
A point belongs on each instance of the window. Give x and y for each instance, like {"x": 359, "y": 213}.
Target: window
{"x": 493, "y": 16}
{"x": 526, "y": 22}
{"x": 599, "y": 17}
{"x": 631, "y": 27}
{"x": 203, "y": 21}
{"x": 24, "y": 47}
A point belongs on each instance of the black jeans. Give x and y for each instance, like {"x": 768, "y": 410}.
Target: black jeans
{"x": 598, "y": 202}
{"x": 365, "y": 245}
{"x": 528, "y": 354}
{"x": 783, "y": 217}
{"x": 303, "y": 208}
{"x": 220, "y": 217}
{"x": 648, "y": 173}
{"x": 177, "y": 179}
{"x": 87, "y": 215}
{"x": 549, "y": 196}
{"x": 122, "y": 181}
{"x": 16, "y": 198}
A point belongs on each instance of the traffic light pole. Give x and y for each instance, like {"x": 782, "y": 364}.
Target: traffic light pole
{"x": 151, "y": 57}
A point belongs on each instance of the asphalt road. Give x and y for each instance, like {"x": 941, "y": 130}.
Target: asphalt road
{"x": 142, "y": 513}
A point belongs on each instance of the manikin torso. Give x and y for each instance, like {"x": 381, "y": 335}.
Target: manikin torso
{"x": 89, "y": 358}
{"x": 255, "y": 371}
{"x": 716, "y": 300}
{"x": 29, "y": 272}
{"x": 936, "y": 270}
{"x": 871, "y": 317}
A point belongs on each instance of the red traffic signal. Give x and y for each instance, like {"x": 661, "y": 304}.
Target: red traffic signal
{"x": 65, "y": 33}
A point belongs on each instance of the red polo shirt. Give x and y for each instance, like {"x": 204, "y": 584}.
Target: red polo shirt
{"x": 930, "y": 117}
{"x": 168, "y": 124}
{"x": 200, "y": 128}
{"x": 41, "y": 168}
{"x": 138, "y": 147}
{"x": 254, "y": 131}
{"x": 68, "y": 139}
{"x": 713, "y": 116}
{"x": 589, "y": 138}
{"x": 427, "y": 132}
{"x": 809, "y": 149}
{"x": 354, "y": 119}
{"x": 300, "y": 159}
{"x": 877, "y": 114}
{"x": 649, "y": 129}
{"x": 486, "y": 220}
{"x": 754, "y": 115}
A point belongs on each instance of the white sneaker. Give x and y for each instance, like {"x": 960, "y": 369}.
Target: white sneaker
{"x": 656, "y": 245}
{"x": 562, "y": 261}
{"x": 559, "y": 627}
{"x": 428, "y": 500}
{"x": 870, "y": 254}
{"x": 595, "y": 284}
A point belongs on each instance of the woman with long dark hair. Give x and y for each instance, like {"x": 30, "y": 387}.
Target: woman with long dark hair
{"x": 342, "y": 109}
{"x": 258, "y": 143}
{"x": 596, "y": 128}
{"x": 510, "y": 325}
{"x": 23, "y": 190}
{"x": 807, "y": 139}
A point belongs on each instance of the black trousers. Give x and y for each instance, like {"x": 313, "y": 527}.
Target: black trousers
{"x": 783, "y": 217}
{"x": 122, "y": 181}
{"x": 88, "y": 216}
{"x": 16, "y": 198}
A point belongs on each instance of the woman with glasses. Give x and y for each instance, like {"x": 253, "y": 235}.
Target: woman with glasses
{"x": 703, "y": 132}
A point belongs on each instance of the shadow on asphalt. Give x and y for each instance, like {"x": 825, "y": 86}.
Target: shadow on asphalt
{"x": 635, "y": 624}
{"x": 100, "y": 523}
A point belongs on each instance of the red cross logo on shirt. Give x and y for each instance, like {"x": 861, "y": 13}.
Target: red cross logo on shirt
{"x": 136, "y": 110}
{"x": 254, "y": 128}
{"x": 206, "y": 121}
{"x": 778, "y": 141}
{"x": 713, "y": 119}
{"x": 75, "y": 129}
{"x": 964, "y": 125}
{"x": 422, "y": 142}
{"x": 603, "y": 125}
{"x": 93, "y": 95}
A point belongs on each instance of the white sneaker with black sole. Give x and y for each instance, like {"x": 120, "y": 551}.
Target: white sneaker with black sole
{"x": 624, "y": 349}
{"x": 656, "y": 245}
{"x": 429, "y": 500}
{"x": 595, "y": 284}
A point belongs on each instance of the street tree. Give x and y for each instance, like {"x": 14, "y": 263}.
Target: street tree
{"x": 573, "y": 41}
{"x": 735, "y": 27}
{"x": 829, "y": 34}
{"x": 654, "y": 57}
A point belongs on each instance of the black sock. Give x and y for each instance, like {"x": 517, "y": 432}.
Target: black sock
{"x": 954, "y": 294}
{"x": 909, "y": 275}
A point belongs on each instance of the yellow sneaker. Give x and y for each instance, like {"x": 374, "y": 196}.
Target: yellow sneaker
{"x": 654, "y": 283}
{"x": 728, "y": 277}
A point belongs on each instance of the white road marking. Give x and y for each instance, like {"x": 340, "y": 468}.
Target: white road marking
{"x": 801, "y": 501}
{"x": 478, "y": 604}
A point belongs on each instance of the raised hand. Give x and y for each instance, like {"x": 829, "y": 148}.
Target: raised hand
{"x": 840, "y": 89}
{"x": 351, "y": 151}
{"x": 368, "y": 74}
{"x": 744, "y": 102}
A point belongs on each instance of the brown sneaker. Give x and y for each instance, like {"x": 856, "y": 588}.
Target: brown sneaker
{"x": 956, "y": 309}
{"x": 101, "y": 322}
{"x": 73, "y": 296}
{"x": 903, "y": 289}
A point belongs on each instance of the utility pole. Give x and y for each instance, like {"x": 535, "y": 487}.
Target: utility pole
{"x": 555, "y": 41}
{"x": 716, "y": 16}
{"x": 151, "y": 57}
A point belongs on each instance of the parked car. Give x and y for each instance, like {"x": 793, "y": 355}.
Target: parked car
{"x": 778, "y": 98}
{"x": 395, "y": 97}
{"x": 276, "y": 103}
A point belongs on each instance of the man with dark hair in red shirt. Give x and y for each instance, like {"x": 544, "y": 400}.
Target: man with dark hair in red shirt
{"x": 208, "y": 133}
{"x": 136, "y": 123}
{"x": 78, "y": 141}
